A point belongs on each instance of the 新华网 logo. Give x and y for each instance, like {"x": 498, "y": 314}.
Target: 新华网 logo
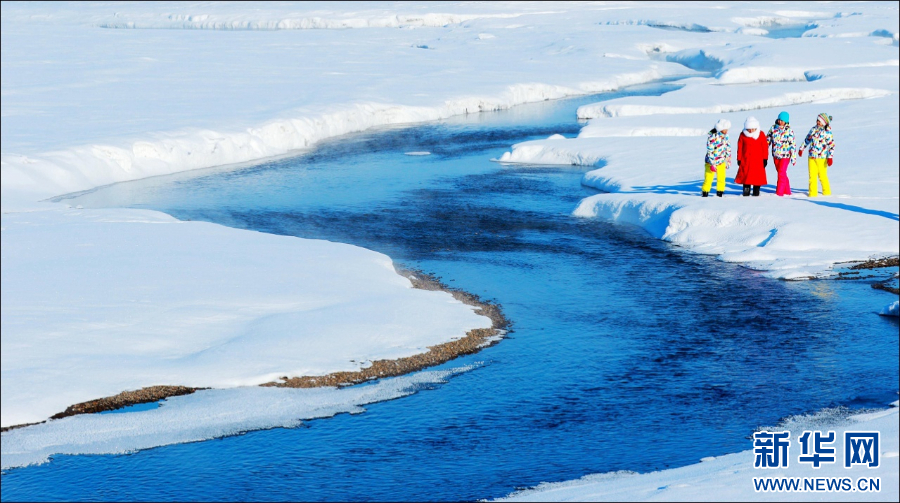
{"x": 861, "y": 448}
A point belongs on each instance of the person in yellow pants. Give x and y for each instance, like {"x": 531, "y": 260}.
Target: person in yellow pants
{"x": 719, "y": 174}
{"x": 818, "y": 172}
{"x": 820, "y": 142}
{"x": 718, "y": 158}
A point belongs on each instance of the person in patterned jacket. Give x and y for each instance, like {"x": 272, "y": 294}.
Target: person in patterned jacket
{"x": 781, "y": 140}
{"x": 820, "y": 142}
{"x": 718, "y": 158}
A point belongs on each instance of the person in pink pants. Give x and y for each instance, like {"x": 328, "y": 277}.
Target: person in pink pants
{"x": 781, "y": 140}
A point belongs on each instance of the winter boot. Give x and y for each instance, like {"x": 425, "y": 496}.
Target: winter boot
{"x": 704, "y": 194}
{"x": 746, "y": 190}
{"x": 756, "y": 190}
{"x": 720, "y": 193}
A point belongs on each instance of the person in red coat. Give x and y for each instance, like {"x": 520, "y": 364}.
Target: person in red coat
{"x": 752, "y": 157}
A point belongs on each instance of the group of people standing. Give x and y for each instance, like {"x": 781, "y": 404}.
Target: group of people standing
{"x": 753, "y": 155}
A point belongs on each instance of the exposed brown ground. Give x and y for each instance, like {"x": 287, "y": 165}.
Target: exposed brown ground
{"x": 886, "y": 288}
{"x": 854, "y": 272}
{"x": 123, "y": 399}
{"x": 875, "y": 263}
{"x": 473, "y": 341}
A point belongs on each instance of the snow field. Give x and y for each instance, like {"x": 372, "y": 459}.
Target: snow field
{"x": 173, "y": 100}
{"x": 98, "y": 302}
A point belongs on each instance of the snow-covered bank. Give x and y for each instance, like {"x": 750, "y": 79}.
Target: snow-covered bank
{"x": 204, "y": 415}
{"x": 785, "y": 100}
{"x": 85, "y": 167}
{"x": 651, "y": 150}
{"x": 790, "y": 237}
{"x": 102, "y": 301}
{"x": 730, "y": 477}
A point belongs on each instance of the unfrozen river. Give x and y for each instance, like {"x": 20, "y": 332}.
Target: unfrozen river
{"x": 626, "y": 354}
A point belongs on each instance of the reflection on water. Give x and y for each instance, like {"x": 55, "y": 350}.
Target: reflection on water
{"x": 625, "y": 355}
{"x": 823, "y": 290}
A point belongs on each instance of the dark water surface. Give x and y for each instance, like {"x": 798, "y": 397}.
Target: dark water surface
{"x": 626, "y": 354}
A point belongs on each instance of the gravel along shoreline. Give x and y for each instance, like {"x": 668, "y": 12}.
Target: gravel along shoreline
{"x": 472, "y": 342}
{"x": 866, "y": 270}
{"x": 876, "y": 263}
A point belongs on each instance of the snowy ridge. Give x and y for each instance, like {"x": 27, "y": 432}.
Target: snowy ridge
{"x": 203, "y": 415}
{"x": 241, "y": 22}
{"x": 780, "y": 19}
{"x": 598, "y": 130}
{"x": 708, "y": 22}
{"x": 654, "y": 216}
{"x": 86, "y": 167}
{"x": 759, "y": 239}
{"x": 817, "y": 96}
{"x": 845, "y": 21}
{"x": 760, "y": 74}
{"x": 528, "y": 153}
{"x": 673, "y": 25}
{"x": 750, "y": 75}
{"x": 783, "y": 18}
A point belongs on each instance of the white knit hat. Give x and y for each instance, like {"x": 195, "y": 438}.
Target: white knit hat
{"x": 751, "y": 123}
{"x": 723, "y": 124}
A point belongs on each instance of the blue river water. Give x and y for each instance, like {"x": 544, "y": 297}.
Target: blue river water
{"x": 625, "y": 354}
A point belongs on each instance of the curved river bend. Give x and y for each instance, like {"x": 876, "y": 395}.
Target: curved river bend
{"x": 626, "y": 354}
